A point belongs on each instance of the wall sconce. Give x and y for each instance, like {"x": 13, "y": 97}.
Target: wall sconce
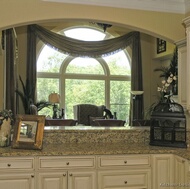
{"x": 54, "y": 98}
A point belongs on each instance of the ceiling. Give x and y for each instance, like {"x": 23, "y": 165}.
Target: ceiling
{"x": 173, "y": 6}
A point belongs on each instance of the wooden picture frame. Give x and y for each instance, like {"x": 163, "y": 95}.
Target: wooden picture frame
{"x": 28, "y": 132}
{"x": 161, "y": 45}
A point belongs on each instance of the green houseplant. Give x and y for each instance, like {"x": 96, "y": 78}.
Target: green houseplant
{"x": 26, "y": 97}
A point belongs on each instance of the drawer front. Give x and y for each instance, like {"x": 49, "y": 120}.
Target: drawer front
{"x": 61, "y": 162}
{"x": 16, "y": 163}
{"x": 113, "y": 161}
{"x": 117, "y": 179}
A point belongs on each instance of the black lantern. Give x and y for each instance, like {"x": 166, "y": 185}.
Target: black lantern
{"x": 168, "y": 125}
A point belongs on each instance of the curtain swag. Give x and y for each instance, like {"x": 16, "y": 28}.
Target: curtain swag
{"x": 79, "y": 48}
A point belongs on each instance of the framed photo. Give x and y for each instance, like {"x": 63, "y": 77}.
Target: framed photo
{"x": 28, "y": 132}
{"x": 161, "y": 45}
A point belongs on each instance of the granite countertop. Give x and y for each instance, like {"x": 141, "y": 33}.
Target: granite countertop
{"x": 96, "y": 141}
{"x": 94, "y": 149}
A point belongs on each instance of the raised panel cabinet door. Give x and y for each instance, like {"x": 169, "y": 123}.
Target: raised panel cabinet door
{"x": 162, "y": 171}
{"x": 17, "y": 181}
{"x": 125, "y": 179}
{"x": 180, "y": 173}
{"x": 52, "y": 180}
{"x": 182, "y": 73}
{"x": 82, "y": 180}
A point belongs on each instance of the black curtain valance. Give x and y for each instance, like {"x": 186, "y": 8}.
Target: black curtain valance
{"x": 79, "y": 48}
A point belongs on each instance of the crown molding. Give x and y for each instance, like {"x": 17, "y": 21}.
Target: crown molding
{"x": 172, "y": 6}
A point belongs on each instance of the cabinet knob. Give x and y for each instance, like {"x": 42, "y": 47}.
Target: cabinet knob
{"x": 67, "y": 163}
{"x": 71, "y": 175}
{"x": 125, "y": 182}
{"x": 32, "y": 176}
{"x": 8, "y": 164}
{"x": 125, "y": 162}
{"x": 64, "y": 175}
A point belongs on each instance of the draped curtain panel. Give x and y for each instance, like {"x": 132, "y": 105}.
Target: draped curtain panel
{"x": 10, "y": 71}
{"x": 31, "y": 68}
{"x": 92, "y": 49}
{"x": 137, "y": 104}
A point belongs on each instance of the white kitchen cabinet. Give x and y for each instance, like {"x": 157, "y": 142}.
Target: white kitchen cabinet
{"x": 162, "y": 171}
{"x": 127, "y": 171}
{"x": 156, "y": 171}
{"x": 82, "y": 179}
{"x": 55, "y": 180}
{"x": 186, "y": 22}
{"x": 67, "y": 173}
{"x": 67, "y": 180}
{"x": 16, "y": 181}
{"x": 111, "y": 162}
{"x": 17, "y": 173}
{"x": 121, "y": 179}
{"x": 180, "y": 173}
{"x": 182, "y": 72}
{"x": 188, "y": 174}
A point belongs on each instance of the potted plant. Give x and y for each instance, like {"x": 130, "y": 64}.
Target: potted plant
{"x": 26, "y": 97}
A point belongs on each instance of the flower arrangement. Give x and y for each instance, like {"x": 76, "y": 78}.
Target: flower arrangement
{"x": 166, "y": 91}
{"x": 6, "y": 114}
{"x": 169, "y": 78}
{"x": 169, "y": 83}
{"x": 6, "y": 120}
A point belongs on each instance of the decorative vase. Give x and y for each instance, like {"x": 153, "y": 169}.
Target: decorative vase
{"x": 5, "y": 132}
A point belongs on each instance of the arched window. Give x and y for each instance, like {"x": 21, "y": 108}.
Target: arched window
{"x": 101, "y": 81}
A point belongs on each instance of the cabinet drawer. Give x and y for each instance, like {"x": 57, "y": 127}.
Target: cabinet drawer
{"x": 62, "y": 162}
{"x": 113, "y": 161}
{"x": 125, "y": 179}
{"x": 16, "y": 163}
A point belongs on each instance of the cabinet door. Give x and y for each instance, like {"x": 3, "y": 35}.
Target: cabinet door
{"x": 182, "y": 73}
{"x": 81, "y": 180}
{"x": 17, "y": 181}
{"x": 120, "y": 179}
{"x": 162, "y": 171}
{"x": 180, "y": 173}
{"x": 52, "y": 180}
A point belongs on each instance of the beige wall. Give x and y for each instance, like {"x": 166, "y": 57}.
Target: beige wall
{"x": 22, "y": 12}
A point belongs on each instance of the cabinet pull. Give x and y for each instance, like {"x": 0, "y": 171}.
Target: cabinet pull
{"x": 125, "y": 182}
{"x": 64, "y": 175}
{"x": 8, "y": 164}
{"x": 32, "y": 176}
{"x": 67, "y": 163}
{"x": 71, "y": 175}
{"x": 125, "y": 162}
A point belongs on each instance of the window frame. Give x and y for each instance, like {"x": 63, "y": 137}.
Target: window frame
{"x": 62, "y": 75}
